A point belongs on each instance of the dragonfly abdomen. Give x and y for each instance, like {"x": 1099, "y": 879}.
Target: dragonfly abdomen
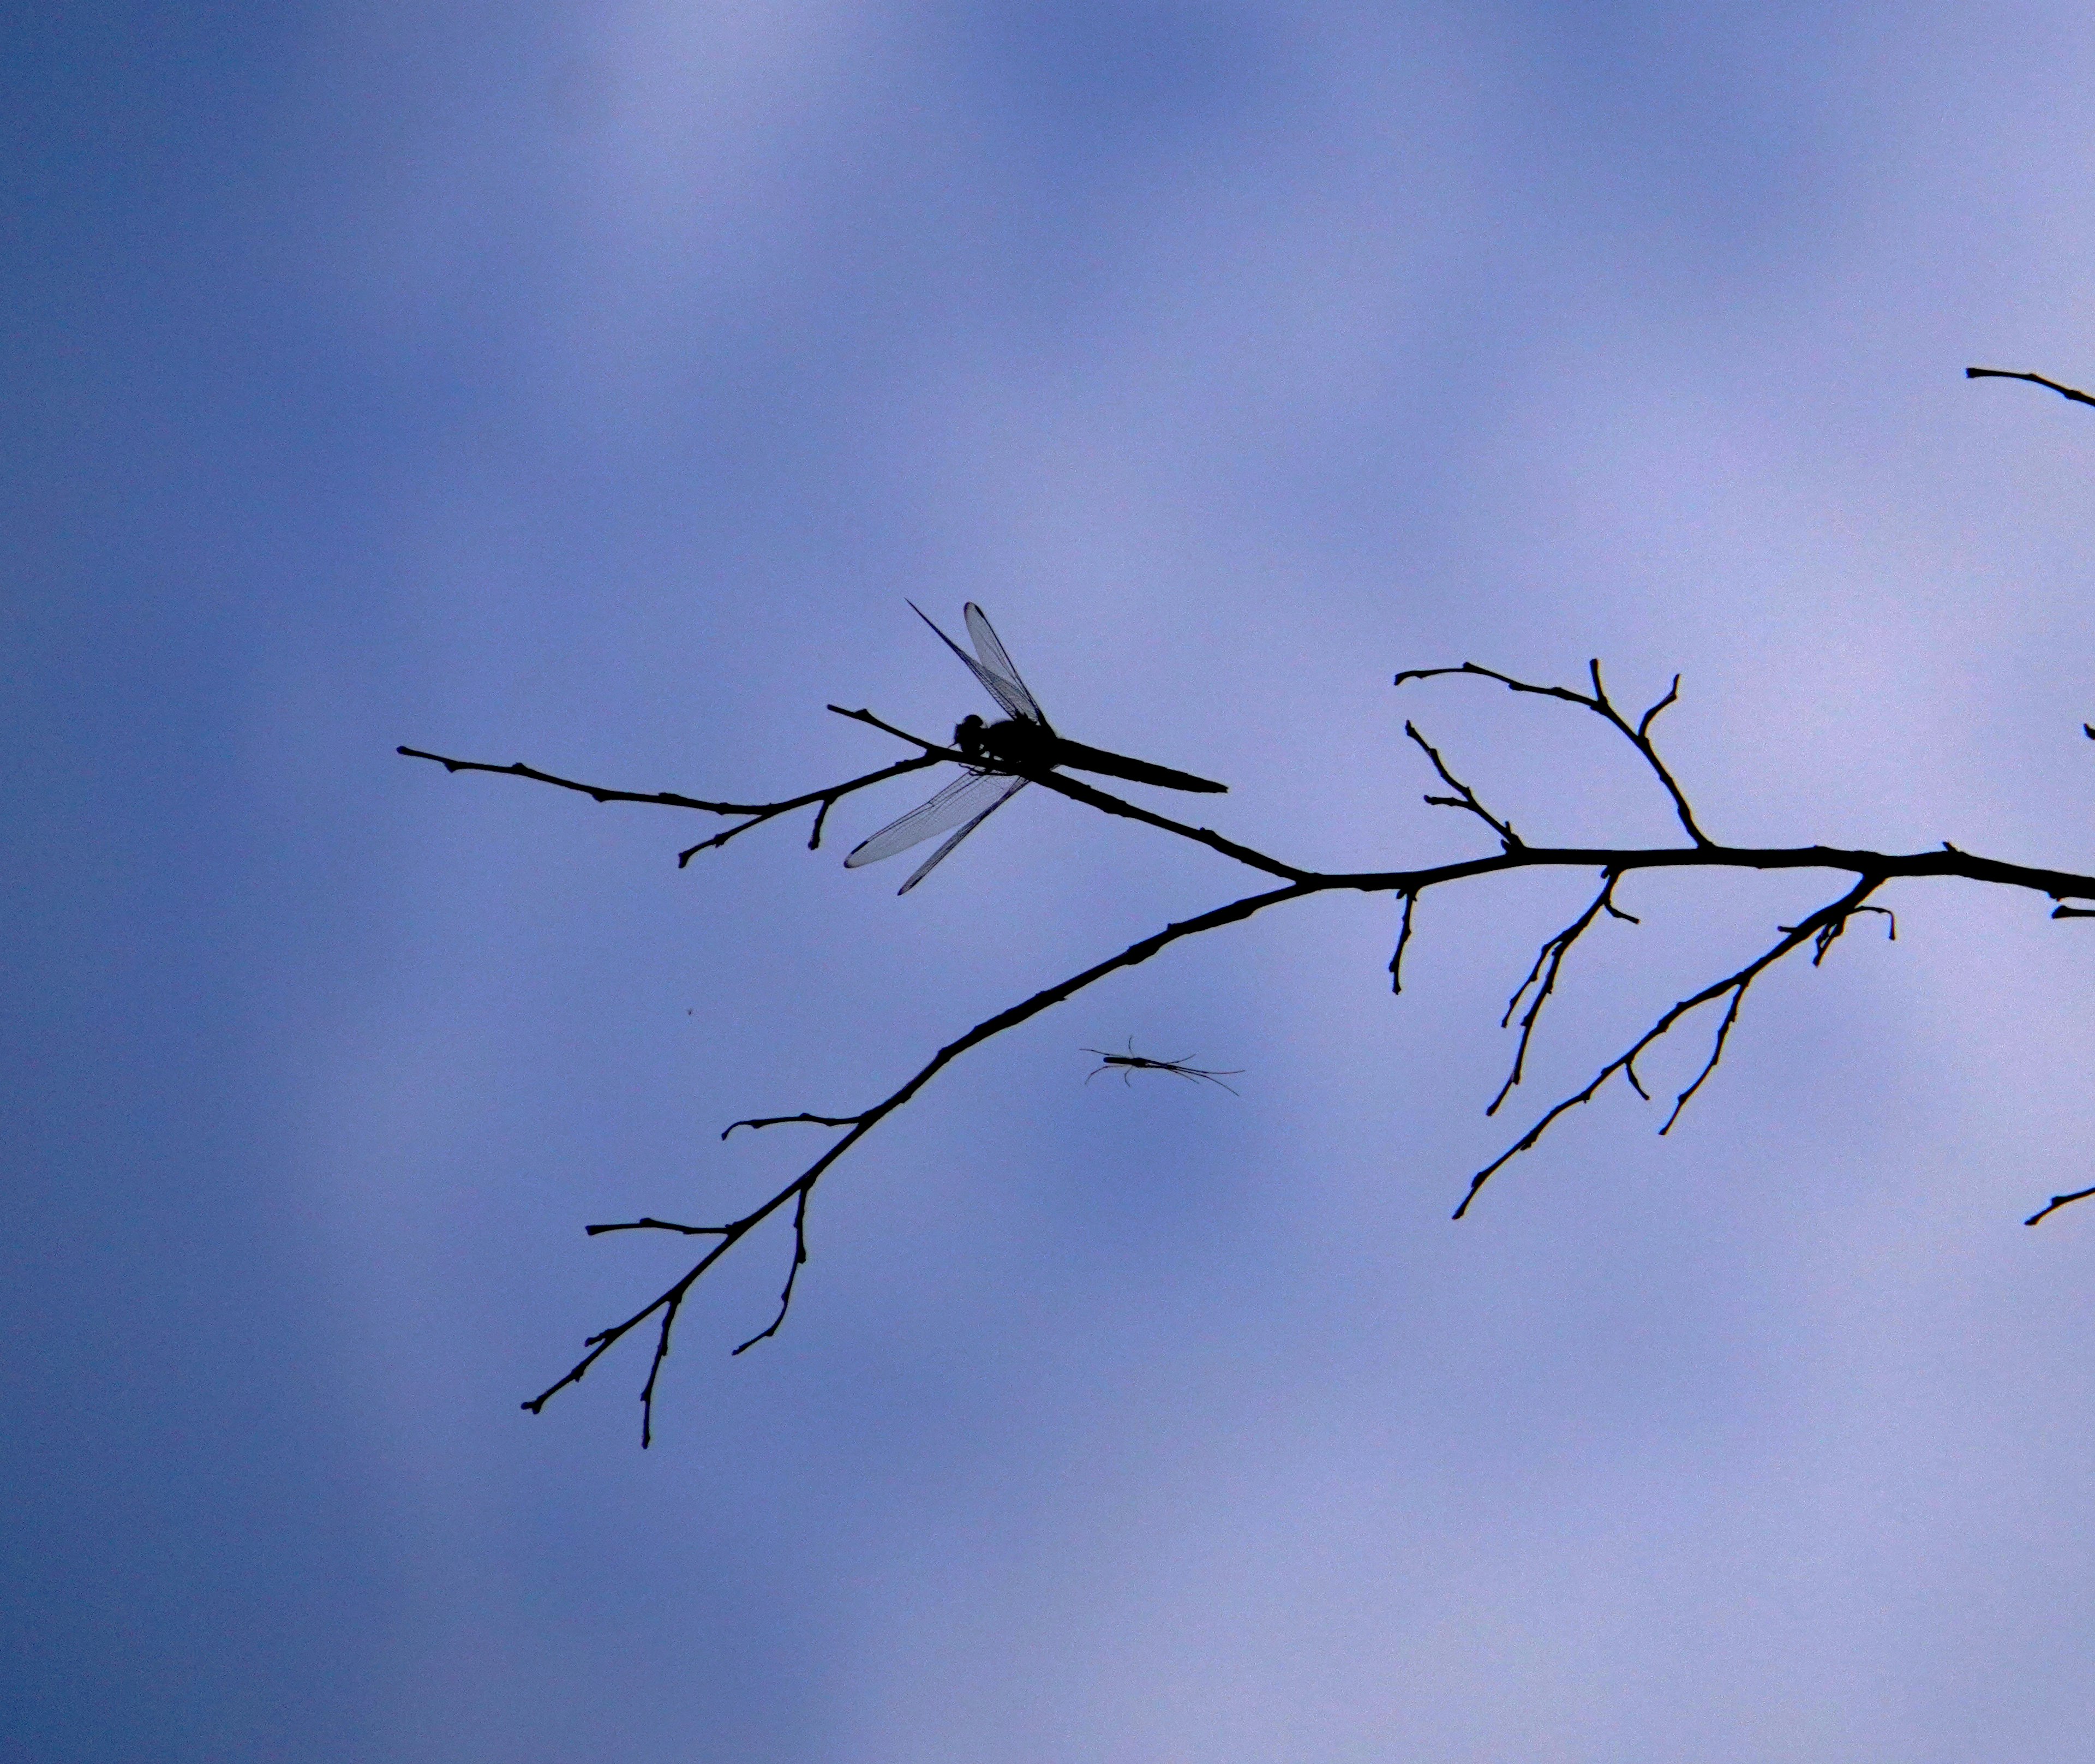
{"x": 1080, "y": 758}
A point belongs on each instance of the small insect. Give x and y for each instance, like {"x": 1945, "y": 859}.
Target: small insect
{"x": 1128, "y": 1063}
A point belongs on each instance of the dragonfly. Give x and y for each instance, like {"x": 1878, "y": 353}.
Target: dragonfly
{"x": 1000, "y": 758}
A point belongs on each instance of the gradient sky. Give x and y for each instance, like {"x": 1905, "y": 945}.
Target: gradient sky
{"x": 590, "y": 385}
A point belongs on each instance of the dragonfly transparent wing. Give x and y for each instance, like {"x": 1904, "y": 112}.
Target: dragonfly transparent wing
{"x": 962, "y": 804}
{"x": 1005, "y": 687}
{"x": 1012, "y": 787}
{"x": 993, "y": 657}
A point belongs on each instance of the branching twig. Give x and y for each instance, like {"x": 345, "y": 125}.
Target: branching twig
{"x": 757, "y": 812}
{"x": 792, "y": 1273}
{"x": 1602, "y": 706}
{"x": 1549, "y": 962}
{"x": 1824, "y": 924}
{"x": 1464, "y": 798}
{"x": 669, "y": 1302}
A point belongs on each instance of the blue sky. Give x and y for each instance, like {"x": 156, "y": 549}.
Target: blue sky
{"x": 590, "y": 387}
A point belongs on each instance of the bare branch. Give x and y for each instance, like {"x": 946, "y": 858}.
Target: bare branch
{"x": 1816, "y": 926}
{"x": 757, "y": 813}
{"x": 781, "y": 1121}
{"x": 1464, "y": 798}
{"x": 658, "y": 1225}
{"x": 1548, "y": 962}
{"x": 2056, "y": 1202}
{"x": 601, "y": 1343}
{"x": 1403, "y": 938}
{"x": 1063, "y": 784}
{"x": 1871, "y": 870}
{"x": 792, "y": 1273}
{"x": 1599, "y": 703}
{"x": 670, "y": 1300}
{"x": 2034, "y": 379}
{"x": 1885, "y": 866}
{"x": 931, "y": 749}
{"x": 930, "y": 753}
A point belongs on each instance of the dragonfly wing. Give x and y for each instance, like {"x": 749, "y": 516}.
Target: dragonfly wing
{"x": 967, "y": 800}
{"x": 1010, "y": 693}
{"x": 1010, "y": 787}
{"x": 997, "y": 662}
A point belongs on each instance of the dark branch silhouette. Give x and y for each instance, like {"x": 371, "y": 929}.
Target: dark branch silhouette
{"x": 1548, "y": 962}
{"x": 2056, "y": 1202}
{"x": 1823, "y": 927}
{"x": 670, "y": 1301}
{"x": 2034, "y": 379}
{"x": 1410, "y": 896}
{"x": 757, "y": 812}
{"x": 1866, "y": 872}
{"x": 1464, "y": 798}
{"x": 1601, "y": 706}
{"x": 1869, "y": 871}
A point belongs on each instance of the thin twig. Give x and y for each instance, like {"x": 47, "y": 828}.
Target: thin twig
{"x": 2057, "y": 1201}
{"x": 1735, "y": 984}
{"x": 1548, "y": 962}
{"x": 657, "y": 1224}
{"x": 1403, "y": 938}
{"x": 781, "y": 1121}
{"x": 1464, "y": 798}
{"x": 1601, "y": 706}
{"x": 2034, "y": 379}
{"x": 792, "y": 1273}
{"x": 757, "y": 812}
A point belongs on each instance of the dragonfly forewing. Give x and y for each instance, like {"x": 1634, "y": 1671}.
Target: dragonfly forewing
{"x": 999, "y": 678}
{"x": 1010, "y": 787}
{"x": 995, "y": 658}
{"x": 962, "y": 804}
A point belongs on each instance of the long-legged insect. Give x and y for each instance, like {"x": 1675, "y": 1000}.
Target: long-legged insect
{"x": 1128, "y": 1063}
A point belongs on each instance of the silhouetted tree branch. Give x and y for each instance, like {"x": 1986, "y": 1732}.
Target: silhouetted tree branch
{"x": 2034, "y": 379}
{"x": 1865, "y": 873}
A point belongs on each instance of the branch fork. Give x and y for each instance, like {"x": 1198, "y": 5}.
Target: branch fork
{"x": 1869, "y": 871}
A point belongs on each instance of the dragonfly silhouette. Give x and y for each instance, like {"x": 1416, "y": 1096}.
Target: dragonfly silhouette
{"x": 1002, "y": 757}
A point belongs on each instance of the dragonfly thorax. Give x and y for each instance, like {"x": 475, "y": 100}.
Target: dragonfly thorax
{"x": 1015, "y": 743}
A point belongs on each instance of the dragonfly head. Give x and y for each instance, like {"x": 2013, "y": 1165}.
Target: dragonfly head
{"x": 968, "y": 735}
